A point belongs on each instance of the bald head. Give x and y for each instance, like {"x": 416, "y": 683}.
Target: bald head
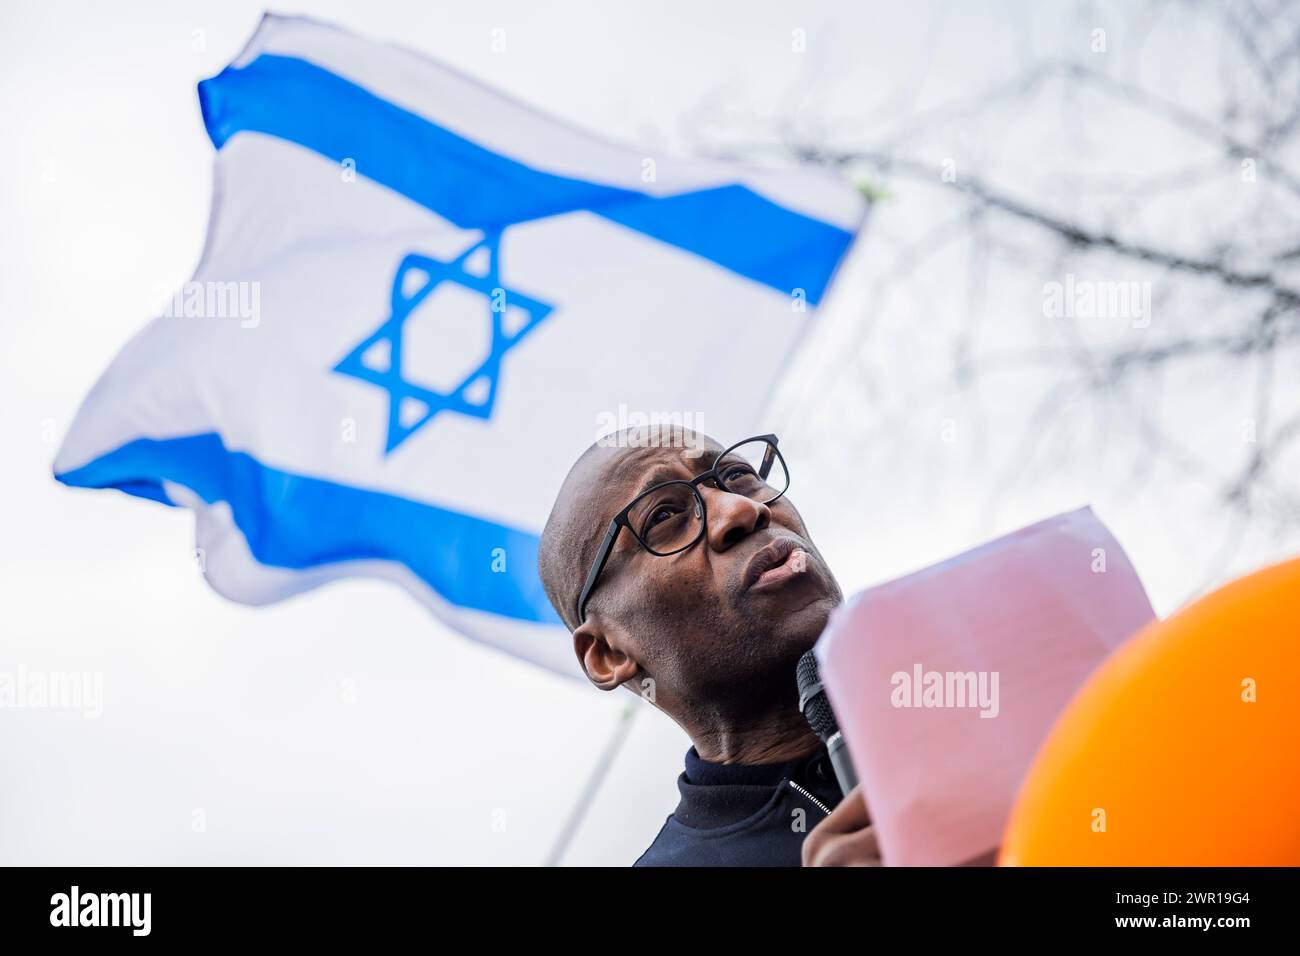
{"x": 575, "y": 528}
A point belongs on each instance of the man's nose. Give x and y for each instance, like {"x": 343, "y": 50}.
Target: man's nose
{"x": 732, "y": 518}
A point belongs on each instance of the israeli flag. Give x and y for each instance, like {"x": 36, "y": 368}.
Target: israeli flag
{"x": 418, "y": 301}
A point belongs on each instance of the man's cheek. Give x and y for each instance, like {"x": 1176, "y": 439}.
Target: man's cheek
{"x": 817, "y": 564}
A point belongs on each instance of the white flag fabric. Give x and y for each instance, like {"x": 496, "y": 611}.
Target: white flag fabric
{"x": 418, "y": 301}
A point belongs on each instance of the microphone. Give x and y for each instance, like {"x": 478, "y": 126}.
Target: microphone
{"x": 817, "y": 709}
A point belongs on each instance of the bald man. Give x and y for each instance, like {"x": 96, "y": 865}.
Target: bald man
{"x": 686, "y": 576}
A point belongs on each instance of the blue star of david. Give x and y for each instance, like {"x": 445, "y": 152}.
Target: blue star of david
{"x": 476, "y": 393}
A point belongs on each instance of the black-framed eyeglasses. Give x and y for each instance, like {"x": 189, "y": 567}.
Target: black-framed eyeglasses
{"x": 671, "y": 517}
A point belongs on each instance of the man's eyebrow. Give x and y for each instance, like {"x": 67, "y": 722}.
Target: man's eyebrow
{"x": 657, "y": 476}
{"x": 665, "y": 472}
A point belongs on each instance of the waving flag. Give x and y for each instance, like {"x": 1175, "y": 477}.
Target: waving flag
{"x": 418, "y": 301}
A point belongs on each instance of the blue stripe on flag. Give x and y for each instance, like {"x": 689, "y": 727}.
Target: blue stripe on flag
{"x": 476, "y": 188}
{"x": 293, "y": 521}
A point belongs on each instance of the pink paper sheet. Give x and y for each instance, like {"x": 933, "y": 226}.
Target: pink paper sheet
{"x": 1012, "y": 628}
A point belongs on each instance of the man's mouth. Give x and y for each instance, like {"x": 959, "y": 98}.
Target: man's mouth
{"x": 775, "y": 564}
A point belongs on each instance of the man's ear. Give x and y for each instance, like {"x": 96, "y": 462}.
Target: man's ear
{"x": 602, "y": 661}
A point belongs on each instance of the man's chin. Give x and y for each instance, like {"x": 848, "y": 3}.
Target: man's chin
{"x": 802, "y": 618}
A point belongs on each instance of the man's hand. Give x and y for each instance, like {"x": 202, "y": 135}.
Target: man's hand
{"x": 845, "y": 838}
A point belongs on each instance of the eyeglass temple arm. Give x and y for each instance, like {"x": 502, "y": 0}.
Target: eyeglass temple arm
{"x": 769, "y": 456}
{"x": 602, "y": 557}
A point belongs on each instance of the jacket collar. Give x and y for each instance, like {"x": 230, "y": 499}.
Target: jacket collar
{"x": 718, "y": 795}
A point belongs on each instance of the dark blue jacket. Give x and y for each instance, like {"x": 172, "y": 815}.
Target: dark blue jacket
{"x": 738, "y": 815}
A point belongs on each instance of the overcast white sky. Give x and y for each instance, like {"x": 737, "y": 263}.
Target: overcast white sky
{"x": 347, "y": 725}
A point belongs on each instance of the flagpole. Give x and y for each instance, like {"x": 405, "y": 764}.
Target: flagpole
{"x": 588, "y": 796}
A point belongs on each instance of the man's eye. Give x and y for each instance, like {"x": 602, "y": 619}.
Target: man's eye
{"x": 662, "y": 513}
{"x": 738, "y": 473}
{"x": 658, "y": 517}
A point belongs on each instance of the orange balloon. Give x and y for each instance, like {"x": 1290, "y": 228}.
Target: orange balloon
{"x": 1183, "y": 748}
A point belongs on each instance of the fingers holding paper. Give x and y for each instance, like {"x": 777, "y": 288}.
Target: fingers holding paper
{"x": 845, "y": 838}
